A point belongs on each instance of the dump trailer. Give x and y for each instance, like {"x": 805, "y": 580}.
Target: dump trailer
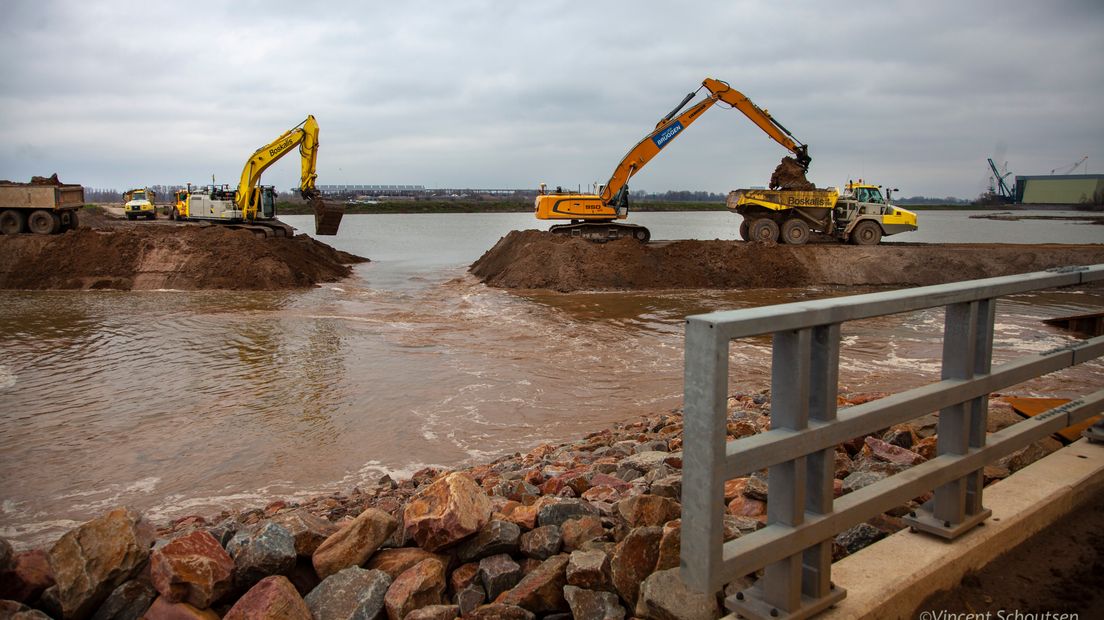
{"x": 859, "y": 214}
{"x": 45, "y": 206}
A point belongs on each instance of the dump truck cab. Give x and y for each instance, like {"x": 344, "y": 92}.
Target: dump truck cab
{"x": 140, "y": 203}
{"x": 863, "y": 215}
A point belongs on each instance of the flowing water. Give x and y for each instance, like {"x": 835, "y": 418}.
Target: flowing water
{"x": 191, "y": 402}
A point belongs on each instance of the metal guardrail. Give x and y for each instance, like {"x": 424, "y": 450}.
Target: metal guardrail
{"x": 795, "y": 547}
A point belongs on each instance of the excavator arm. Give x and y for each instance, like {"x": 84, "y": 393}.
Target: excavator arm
{"x": 305, "y": 136}
{"x": 614, "y": 192}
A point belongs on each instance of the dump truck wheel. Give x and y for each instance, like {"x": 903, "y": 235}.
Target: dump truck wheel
{"x": 763, "y": 229}
{"x": 73, "y": 221}
{"x": 795, "y": 232}
{"x": 12, "y": 222}
{"x": 174, "y": 214}
{"x": 744, "y": 230}
{"x": 866, "y": 233}
{"x": 43, "y": 222}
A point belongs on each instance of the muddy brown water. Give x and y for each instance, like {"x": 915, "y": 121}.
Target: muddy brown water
{"x": 191, "y": 402}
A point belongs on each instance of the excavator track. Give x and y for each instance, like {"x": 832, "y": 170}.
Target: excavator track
{"x": 601, "y": 232}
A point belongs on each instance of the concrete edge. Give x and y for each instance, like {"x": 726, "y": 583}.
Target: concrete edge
{"x": 881, "y": 585}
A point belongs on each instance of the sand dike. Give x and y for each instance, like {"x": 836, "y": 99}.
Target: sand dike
{"x": 533, "y": 259}
{"x": 183, "y": 257}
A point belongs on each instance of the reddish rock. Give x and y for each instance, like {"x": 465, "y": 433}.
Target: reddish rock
{"x": 273, "y": 598}
{"x": 734, "y": 488}
{"x": 645, "y": 510}
{"x": 613, "y": 482}
{"x": 526, "y": 516}
{"x": 92, "y": 560}
{"x": 395, "y": 561}
{"x": 670, "y": 546}
{"x": 602, "y": 493}
{"x": 353, "y": 544}
{"x": 742, "y": 428}
{"x": 843, "y": 464}
{"x": 192, "y": 569}
{"x": 464, "y": 576}
{"x": 434, "y": 612}
{"x": 420, "y": 585}
{"x": 308, "y": 531}
{"x": 165, "y": 610}
{"x": 498, "y": 611}
{"x": 541, "y": 591}
{"x": 28, "y": 577}
{"x": 446, "y": 512}
{"x": 892, "y": 454}
{"x": 926, "y": 447}
{"x": 633, "y": 559}
{"x": 589, "y": 569}
{"x": 743, "y": 506}
{"x": 578, "y": 531}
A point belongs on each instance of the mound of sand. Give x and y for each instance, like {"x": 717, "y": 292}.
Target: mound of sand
{"x": 167, "y": 257}
{"x": 533, "y": 259}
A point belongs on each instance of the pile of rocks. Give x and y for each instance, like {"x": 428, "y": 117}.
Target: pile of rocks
{"x": 589, "y": 529}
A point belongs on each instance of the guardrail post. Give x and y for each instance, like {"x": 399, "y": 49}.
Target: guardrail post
{"x": 804, "y": 380}
{"x": 705, "y": 416}
{"x": 967, "y": 352}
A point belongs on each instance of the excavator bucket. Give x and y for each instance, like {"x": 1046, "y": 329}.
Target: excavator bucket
{"x": 327, "y": 215}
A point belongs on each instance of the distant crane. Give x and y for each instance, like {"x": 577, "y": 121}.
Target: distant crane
{"x": 1070, "y": 169}
{"x": 1001, "y": 191}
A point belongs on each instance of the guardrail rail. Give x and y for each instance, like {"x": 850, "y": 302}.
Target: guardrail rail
{"x": 794, "y": 549}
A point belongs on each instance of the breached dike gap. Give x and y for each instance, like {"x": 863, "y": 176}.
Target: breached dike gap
{"x": 532, "y": 259}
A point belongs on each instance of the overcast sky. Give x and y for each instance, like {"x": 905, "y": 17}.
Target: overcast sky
{"x": 914, "y": 94}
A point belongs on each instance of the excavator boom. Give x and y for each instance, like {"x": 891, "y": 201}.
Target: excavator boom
{"x": 327, "y": 217}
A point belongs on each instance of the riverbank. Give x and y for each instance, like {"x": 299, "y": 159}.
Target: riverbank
{"x": 582, "y": 525}
{"x": 540, "y": 260}
{"x": 110, "y": 253}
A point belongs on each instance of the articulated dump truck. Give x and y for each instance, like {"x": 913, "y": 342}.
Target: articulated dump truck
{"x": 858, "y": 215}
{"x": 45, "y": 206}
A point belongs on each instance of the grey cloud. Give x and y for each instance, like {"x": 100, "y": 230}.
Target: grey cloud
{"x": 486, "y": 93}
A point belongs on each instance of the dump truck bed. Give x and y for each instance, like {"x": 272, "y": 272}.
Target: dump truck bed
{"x": 34, "y": 196}
{"x": 782, "y": 199}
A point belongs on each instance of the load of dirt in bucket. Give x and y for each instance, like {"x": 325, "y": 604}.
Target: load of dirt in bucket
{"x": 168, "y": 257}
{"x": 790, "y": 175}
{"x": 533, "y": 259}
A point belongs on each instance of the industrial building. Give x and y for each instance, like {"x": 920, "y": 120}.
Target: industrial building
{"x": 1060, "y": 189}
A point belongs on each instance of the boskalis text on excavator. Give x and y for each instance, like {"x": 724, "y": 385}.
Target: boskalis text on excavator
{"x": 253, "y": 205}
{"x": 593, "y": 216}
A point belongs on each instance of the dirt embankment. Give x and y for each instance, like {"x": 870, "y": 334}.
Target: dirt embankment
{"x": 533, "y": 259}
{"x": 100, "y": 255}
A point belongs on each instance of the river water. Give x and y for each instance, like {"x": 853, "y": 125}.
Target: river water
{"x": 191, "y": 402}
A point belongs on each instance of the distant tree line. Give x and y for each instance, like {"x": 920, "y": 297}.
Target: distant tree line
{"x": 927, "y": 200}
{"x": 677, "y": 196}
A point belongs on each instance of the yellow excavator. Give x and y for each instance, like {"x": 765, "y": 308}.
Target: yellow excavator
{"x": 253, "y": 205}
{"x": 593, "y": 215}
